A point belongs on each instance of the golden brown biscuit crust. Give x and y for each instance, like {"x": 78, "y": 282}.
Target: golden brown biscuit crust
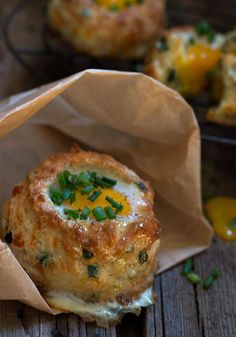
{"x": 127, "y": 33}
{"x": 38, "y": 229}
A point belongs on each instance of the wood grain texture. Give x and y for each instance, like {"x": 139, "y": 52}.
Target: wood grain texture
{"x": 217, "y": 306}
{"x": 182, "y": 310}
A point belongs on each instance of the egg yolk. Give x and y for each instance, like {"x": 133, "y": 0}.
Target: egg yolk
{"x": 82, "y": 201}
{"x": 117, "y": 4}
{"x": 194, "y": 65}
{"x": 222, "y": 213}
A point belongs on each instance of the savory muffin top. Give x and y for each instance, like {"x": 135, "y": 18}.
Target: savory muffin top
{"x": 83, "y": 227}
{"x": 185, "y": 58}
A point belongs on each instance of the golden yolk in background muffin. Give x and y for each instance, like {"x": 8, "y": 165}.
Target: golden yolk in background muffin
{"x": 222, "y": 213}
{"x": 82, "y": 201}
{"x": 117, "y": 4}
{"x": 193, "y": 66}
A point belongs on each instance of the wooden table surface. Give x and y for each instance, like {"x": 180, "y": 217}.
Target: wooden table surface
{"x": 182, "y": 310}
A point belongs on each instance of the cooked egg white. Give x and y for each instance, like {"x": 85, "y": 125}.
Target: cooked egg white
{"x": 103, "y": 313}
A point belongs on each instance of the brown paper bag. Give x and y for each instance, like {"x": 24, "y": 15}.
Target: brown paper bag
{"x": 145, "y": 125}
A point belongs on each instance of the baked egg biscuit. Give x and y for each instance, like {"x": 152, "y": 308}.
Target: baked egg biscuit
{"x": 224, "y": 85}
{"x": 82, "y": 226}
{"x": 185, "y": 58}
{"x": 108, "y": 28}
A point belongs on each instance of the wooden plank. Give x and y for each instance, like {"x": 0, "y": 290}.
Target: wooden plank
{"x": 93, "y": 331}
{"x": 10, "y": 322}
{"x": 179, "y": 306}
{"x": 153, "y": 322}
{"x": 217, "y": 306}
{"x": 47, "y": 325}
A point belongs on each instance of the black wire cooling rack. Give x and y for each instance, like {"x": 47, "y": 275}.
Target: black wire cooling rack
{"x": 47, "y": 57}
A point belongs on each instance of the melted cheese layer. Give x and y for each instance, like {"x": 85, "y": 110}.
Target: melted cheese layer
{"x": 103, "y": 313}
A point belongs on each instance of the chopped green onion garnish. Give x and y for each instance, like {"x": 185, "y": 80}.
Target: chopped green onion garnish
{"x": 191, "y": 40}
{"x": 188, "y": 266}
{"x": 170, "y": 75}
{"x": 72, "y": 197}
{"x": 193, "y": 278}
{"x": 232, "y": 223}
{"x": 162, "y": 44}
{"x": 93, "y": 176}
{"x": 62, "y": 180}
{"x": 207, "y": 283}
{"x": 83, "y": 178}
{"x": 203, "y": 28}
{"x": 215, "y": 273}
{"x": 8, "y": 237}
{"x": 84, "y": 214}
{"x": 143, "y": 256}
{"x": 233, "y": 38}
{"x": 87, "y": 254}
{"x": 99, "y": 213}
{"x": 71, "y": 214}
{"x": 71, "y": 179}
{"x": 114, "y": 204}
{"x": 87, "y": 189}
{"x": 44, "y": 258}
{"x": 86, "y": 12}
{"x": 57, "y": 196}
{"x": 108, "y": 181}
{"x": 110, "y": 213}
{"x": 92, "y": 270}
{"x": 94, "y": 196}
{"x": 114, "y": 8}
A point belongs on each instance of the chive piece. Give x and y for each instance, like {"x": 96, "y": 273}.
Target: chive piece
{"x": 87, "y": 254}
{"x": 99, "y": 213}
{"x": 170, "y": 75}
{"x": 57, "y": 196}
{"x": 127, "y": 3}
{"x": 87, "y": 189}
{"x": 93, "y": 176}
{"x": 92, "y": 270}
{"x": 193, "y": 278}
{"x": 71, "y": 179}
{"x": 207, "y": 283}
{"x": 191, "y": 41}
{"x": 141, "y": 186}
{"x": 86, "y": 12}
{"x": 71, "y": 214}
{"x": 233, "y": 38}
{"x": 114, "y": 204}
{"x": 43, "y": 258}
{"x": 203, "y": 28}
{"x": 83, "y": 178}
{"x": 100, "y": 183}
{"x": 187, "y": 267}
{"x": 162, "y": 44}
{"x": 94, "y": 196}
{"x": 215, "y": 273}
{"x": 110, "y": 213}
{"x": 8, "y": 237}
{"x": 72, "y": 197}
{"x": 232, "y": 223}
{"x": 143, "y": 256}
{"x": 114, "y": 8}
{"x": 62, "y": 180}
{"x": 84, "y": 214}
{"x": 109, "y": 181}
